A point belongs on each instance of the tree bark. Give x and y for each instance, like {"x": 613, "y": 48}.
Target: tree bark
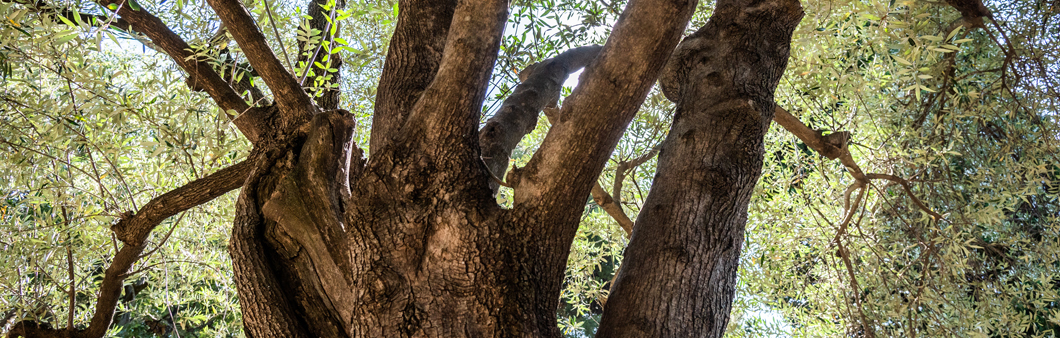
{"x": 678, "y": 277}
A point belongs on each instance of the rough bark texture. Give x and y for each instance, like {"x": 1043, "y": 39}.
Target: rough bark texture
{"x": 411, "y": 62}
{"x": 679, "y": 273}
{"x": 414, "y": 244}
{"x": 518, "y": 114}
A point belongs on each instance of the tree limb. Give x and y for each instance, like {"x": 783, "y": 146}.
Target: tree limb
{"x": 295, "y": 105}
{"x": 198, "y": 72}
{"x": 612, "y": 204}
{"x": 133, "y": 230}
{"x": 624, "y": 167}
{"x": 836, "y": 147}
{"x": 447, "y": 114}
{"x": 518, "y": 114}
{"x": 411, "y": 62}
{"x": 612, "y": 208}
{"x": 578, "y": 145}
{"x": 908, "y": 191}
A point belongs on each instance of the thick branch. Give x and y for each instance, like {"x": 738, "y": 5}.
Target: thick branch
{"x": 295, "y": 105}
{"x": 307, "y": 206}
{"x": 678, "y": 277}
{"x": 133, "y": 230}
{"x": 411, "y": 63}
{"x": 594, "y": 116}
{"x": 447, "y": 115}
{"x": 518, "y": 114}
{"x": 199, "y": 72}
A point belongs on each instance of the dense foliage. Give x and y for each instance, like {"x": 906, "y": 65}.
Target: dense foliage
{"x": 964, "y": 119}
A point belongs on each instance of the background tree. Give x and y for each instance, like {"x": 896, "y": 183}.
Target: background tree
{"x": 106, "y": 128}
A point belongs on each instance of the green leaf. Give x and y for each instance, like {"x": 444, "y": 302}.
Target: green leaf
{"x": 901, "y": 60}
{"x": 66, "y": 36}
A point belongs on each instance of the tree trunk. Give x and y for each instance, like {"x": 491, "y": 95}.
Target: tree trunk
{"x": 412, "y": 241}
{"x": 679, "y": 273}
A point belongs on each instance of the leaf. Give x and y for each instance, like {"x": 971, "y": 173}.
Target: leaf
{"x": 66, "y": 21}
{"x": 954, "y": 32}
{"x": 901, "y": 60}
{"x": 133, "y": 5}
{"x": 66, "y": 36}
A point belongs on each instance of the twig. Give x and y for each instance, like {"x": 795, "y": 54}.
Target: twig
{"x": 276, "y": 32}
{"x": 908, "y": 191}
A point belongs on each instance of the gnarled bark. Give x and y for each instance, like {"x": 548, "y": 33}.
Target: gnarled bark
{"x": 411, "y": 62}
{"x": 678, "y": 277}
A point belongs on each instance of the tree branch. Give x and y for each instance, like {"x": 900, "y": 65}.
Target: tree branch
{"x": 198, "y": 72}
{"x": 835, "y": 146}
{"x": 295, "y": 105}
{"x": 411, "y": 62}
{"x": 610, "y": 92}
{"x": 518, "y": 114}
{"x": 612, "y": 208}
{"x": 623, "y": 169}
{"x": 447, "y": 114}
{"x": 908, "y": 191}
{"x": 133, "y": 230}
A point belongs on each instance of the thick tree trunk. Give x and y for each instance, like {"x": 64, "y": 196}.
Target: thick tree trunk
{"x": 412, "y": 242}
{"x": 679, "y": 273}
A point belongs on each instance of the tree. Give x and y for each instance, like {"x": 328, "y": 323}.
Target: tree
{"x": 409, "y": 239}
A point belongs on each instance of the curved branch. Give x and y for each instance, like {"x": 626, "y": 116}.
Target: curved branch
{"x": 518, "y": 114}
{"x": 133, "y": 230}
{"x": 595, "y": 115}
{"x": 612, "y": 204}
{"x": 623, "y": 169}
{"x": 908, "y": 191}
{"x": 835, "y": 146}
{"x": 198, "y": 72}
{"x": 295, "y": 105}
